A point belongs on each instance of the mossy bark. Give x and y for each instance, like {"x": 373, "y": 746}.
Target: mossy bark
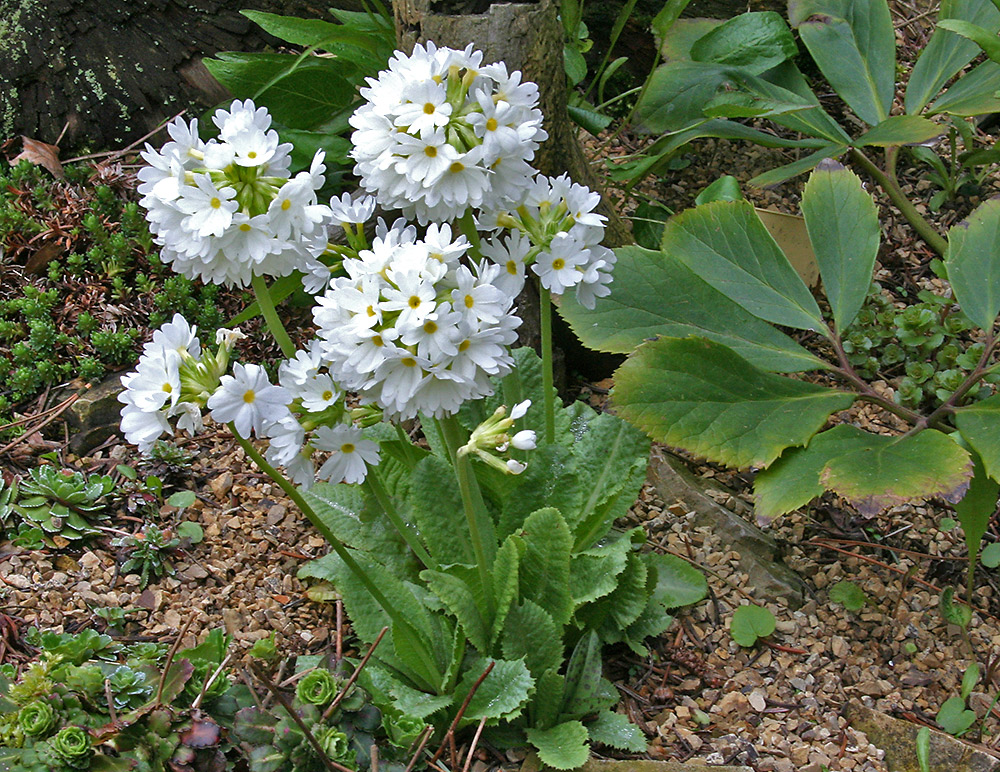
{"x": 112, "y": 70}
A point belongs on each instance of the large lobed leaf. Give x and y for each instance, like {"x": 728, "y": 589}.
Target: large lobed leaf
{"x": 727, "y": 245}
{"x": 979, "y": 424}
{"x": 698, "y": 395}
{"x": 973, "y": 261}
{"x": 843, "y": 228}
{"x": 656, "y": 294}
{"x": 854, "y": 44}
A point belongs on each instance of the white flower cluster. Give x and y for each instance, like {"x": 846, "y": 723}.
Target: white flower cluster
{"x": 153, "y": 390}
{"x": 412, "y": 329}
{"x": 225, "y": 210}
{"x": 440, "y": 133}
{"x": 561, "y": 239}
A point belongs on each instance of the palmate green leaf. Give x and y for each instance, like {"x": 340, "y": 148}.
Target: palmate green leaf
{"x": 947, "y": 53}
{"x": 438, "y": 512}
{"x": 755, "y": 41}
{"x": 700, "y": 396}
{"x": 981, "y": 36}
{"x": 544, "y": 567}
{"x": 616, "y": 731}
{"x": 564, "y": 746}
{"x": 854, "y": 44}
{"x": 655, "y": 294}
{"x": 973, "y": 263}
{"x": 750, "y": 623}
{"x": 727, "y": 245}
{"x": 300, "y": 98}
{"x": 678, "y": 583}
{"x": 794, "y": 479}
{"x": 501, "y": 695}
{"x": 979, "y": 424}
{"x": 973, "y": 94}
{"x": 531, "y": 634}
{"x": 892, "y": 470}
{"x": 900, "y": 130}
{"x": 842, "y": 221}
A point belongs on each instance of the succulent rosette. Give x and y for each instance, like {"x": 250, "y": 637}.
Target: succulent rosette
{"x": 318, "y": 687}
{"x": 72, "y": 747}
{"x": 225, "y": 210}
{"x": 441, "y": 133}
{"x": 37, "y": 719}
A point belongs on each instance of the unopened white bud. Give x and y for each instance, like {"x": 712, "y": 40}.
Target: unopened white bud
{"x": 519, "y": 410}
{"x": 524, "y": 440}
{"x": 515, "y": 467}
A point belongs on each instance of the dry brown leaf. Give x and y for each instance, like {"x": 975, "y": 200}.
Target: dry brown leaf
{"x": 37, "y": 262}
{"x": 42, "y": 154}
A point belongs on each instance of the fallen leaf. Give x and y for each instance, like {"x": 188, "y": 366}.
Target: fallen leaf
{"x": 42, "y": 154}
{"x": 201, "y": 734}
{"x": 43, "y": 257}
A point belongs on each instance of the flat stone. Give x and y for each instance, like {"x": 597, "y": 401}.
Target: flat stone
{"x": 95, "y": 416}
{"x": 532, "y": 764}
{"x": 758, "y": 551}
{"x": 898, "y": 739}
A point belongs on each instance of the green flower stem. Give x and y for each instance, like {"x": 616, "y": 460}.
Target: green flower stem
{"x": 545, "y": 322}
{"x": 926, "y": 231}
{"x": 266, "y": 303}
{"x": 374, "y": 487}
{"x": 480, "y": 524}
{"x": 468, "y": 225}
{"x": 432, "y": 675}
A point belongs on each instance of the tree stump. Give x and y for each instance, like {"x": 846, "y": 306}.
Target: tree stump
{"x": 110, "y": 71}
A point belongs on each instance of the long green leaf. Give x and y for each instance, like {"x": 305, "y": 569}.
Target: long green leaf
{"x": 946, "y": 53}
{"x": 887, "y": 471}
{"x": 755, "y": 41}
{"x": 975, "y": 93}
{"x": 801, "y": 166}
{"x": 844, "y": 232}
{"x": 675, "y": 95}
{"x": 973, "y": 262}
{"x": 532, "y": 635}
{"x": 977, "y": 506}
{"x": 979, "y": 424}
{"x": 726, "y": 244}
{"x": 900, "y": 130}
{"x": 308, "y": 32}
{"x": 544, "y": 568}
{"x": 854, "y": 44}
{"x": 981, "y": 36}
{"x": 654, "y": 294}
{"x": 461, "y": 600}
{"x": 438, "y": 512}
{"x": 700, "y": 396}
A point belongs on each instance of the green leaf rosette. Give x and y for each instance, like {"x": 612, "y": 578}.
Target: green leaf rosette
{"x": 37, "y": 719}
{"x": 318, "y": 687}
{"x": 72, "y": 747}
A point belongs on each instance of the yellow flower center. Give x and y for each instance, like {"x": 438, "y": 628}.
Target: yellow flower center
{"x": 371, "y": 311}
{"x": 512, "y": 268}
{"x": 430, "y": 327}
{"x": 252, "y": 154}
{"x": 409, "y": 362}
{"x": 286, "y": 205}
{"x": 464, "y": 345}
{"x": 558, "y": 264}
{"x": 429, "y": 108}
{"x": 491, "y": 124}
{"x": 347, "y": 447}
{"x": 456, "y": 167}
{"x": 414, "y": 302}
{"x": 245, "y": 227}
{"x": 377, "y": 340}
{"x": 168, "y": 388}
{"x": 215, "y": 203}
{"x": 430, "y": 151}
{"x": 249, "y": 396}
{"x": 469, "y": 302}
{"x": 327, "y": 395}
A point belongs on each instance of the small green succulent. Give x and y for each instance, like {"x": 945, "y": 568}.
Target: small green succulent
{"x": 37, "y": 719}
{"x": 148, "y": 553}
{"x": 72, "y": 746}
{"x": 318, "y": 687}
{"x": 8, "y": 493}
{"x": 63, "y": 506}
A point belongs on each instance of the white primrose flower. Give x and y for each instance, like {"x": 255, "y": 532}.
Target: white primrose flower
{"x": 436, "y": 128}
{"x": 248, "y": 400}
{"x": 226, "y": 210}
{"x": 354, "y": 211}
{"x": 349, "y": 454}
{"x": 412, "y": 329}
{"x": 492, "y": 438}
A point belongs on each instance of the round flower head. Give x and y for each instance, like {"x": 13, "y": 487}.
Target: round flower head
{"x": 225, "y": 210}
{"x": 438, "y": 128}
{"x": 410, "y": 328}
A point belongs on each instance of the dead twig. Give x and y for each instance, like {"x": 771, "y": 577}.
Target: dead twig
{"x": 461, "y": 712}
{"x": 354, "y": 676}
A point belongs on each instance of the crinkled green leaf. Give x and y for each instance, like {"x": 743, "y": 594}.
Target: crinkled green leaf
{"x": 678, "y": 583}
{"x": 947, "y": 53}
{"x": 889, "y": 471}
{"x": 438, "y": 512}
{"x": 616, "y": 731}
{"x": 593, "y": 573}
{"x": 854, "y": 44}
{"x": 506, "y": 580}
{"x": 531, "y": 634}
{"x": 700, "y": 396}
{"x": 501, "y": 695}
{"x": 727, "y": 245}
{"x": 547, "y": 702}
{"x": 551, "y": 479}
{"x": 564, "y": 746}
{"x": 461, "y": 600}
{"x": 656, "y": 294}
{"x": 544, "y": 567}
{"x": 842, "y": 221}
{"x": 973, "y": 263}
